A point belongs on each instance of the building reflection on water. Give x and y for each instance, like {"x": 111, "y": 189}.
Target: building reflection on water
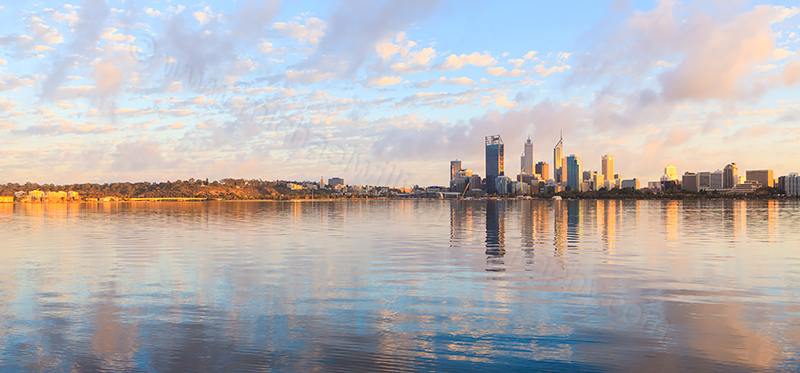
{"x": 495, "y": 235}
{"x": 329, "y": 287}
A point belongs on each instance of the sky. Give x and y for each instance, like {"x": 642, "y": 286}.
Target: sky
{"x": 389, "y": 92}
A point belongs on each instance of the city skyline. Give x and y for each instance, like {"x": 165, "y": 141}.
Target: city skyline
{"x": 99, "y": 91}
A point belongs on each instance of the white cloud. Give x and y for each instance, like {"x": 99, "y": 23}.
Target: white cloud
{"x": 384, "y": 81}
{"x": 501, "y": 71}
{"x": 780, "y": 53}
{"x": 463, "y": 81}
{"x": 408, "y": 61}
{"x": 530, "y": 55}
{"x": 44, "y": 33}
{"x": 455, "y": 62}
{"x": 308, "y": 76}
{"x": 310, "y": 33}
{"x": 206, "y": 15}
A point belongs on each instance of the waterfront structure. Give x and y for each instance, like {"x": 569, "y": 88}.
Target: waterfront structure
{"x": 792, "y": 184}
{"x": 335, "y": 181}
{"x": 630, "y": 183}
{"x": 6, "y": 199}
{"x": 764, "y": 177}
{"x": 455, "y": 166}
{"x": 543, "y": 170}
{"x": 36, "y": 194}
{"x": 574, "y": 173}
{"x": 691, "y": 182}
{"x": 730, "y": 175}
{"x": 495, "y": 159}
{"x": 608, "y": 167}
{"x": 558, "y": 161}
{"x": 745, "y": 187}
{"x": 526, "y": 160}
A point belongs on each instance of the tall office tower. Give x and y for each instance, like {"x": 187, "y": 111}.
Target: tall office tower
{"x": 764, "y": 177}
{"x": 717, "y": 179}
{"x": 526, "y": 160}
{"x": 574, "y": 173}
{"x": 608, "y": 167}
{"x": 792, "y": 187}
{"x": 558, "y": 156}
{"x": 455, "y": 166}
{"x": 543, "y": 169}
{"x": 731, "y": 176}
{"x": 495, "y": 159}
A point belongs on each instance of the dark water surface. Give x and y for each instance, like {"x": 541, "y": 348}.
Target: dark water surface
{"x": 401, "y": 286}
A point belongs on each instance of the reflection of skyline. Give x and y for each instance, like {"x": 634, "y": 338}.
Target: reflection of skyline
{"x": 495, "y": 235}
{"x": 229, "y": 287}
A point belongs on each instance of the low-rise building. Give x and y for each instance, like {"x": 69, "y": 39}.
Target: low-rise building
{"x": 631, "y": 183}
{"x": 745, "y": 188}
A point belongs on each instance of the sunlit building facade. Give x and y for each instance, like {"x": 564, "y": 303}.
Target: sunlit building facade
{"x": 764, "y": 177}
{"x": 608, "y": 166}
{"x": 558, "y": 161}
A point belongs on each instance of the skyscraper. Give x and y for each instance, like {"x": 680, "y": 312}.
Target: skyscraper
{"x": 731, "y": 176}
{"x": 526, "y": 160}
{"x": 495, "y": 161}
{"x": 574, "y": 173}
{"x": 608, "y": 167}
{"x": 455, "y": 166}
{"x": 543, "y": 169}
{"x": 558, "y": 156}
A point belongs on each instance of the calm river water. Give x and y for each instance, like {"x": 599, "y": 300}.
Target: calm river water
{"x": 401, "y": 286}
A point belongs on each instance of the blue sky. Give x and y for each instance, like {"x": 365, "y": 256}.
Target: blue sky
{"x": 390, "y": 92}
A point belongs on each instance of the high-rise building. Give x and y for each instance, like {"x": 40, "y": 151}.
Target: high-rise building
{"x": 792, "y": 184}
{"x": 717, "y": 179}
{"x": 608, "y": 166}
{"x": 558, "y": 160}
{"x": 730, "y": 176}
{"x": 703, "y": 180}
{"x": 670, "y": 173}
{"x": 543, "y": 169}
{"x": 764, "y": 177}
{"x": 495, "y": 159}
{"x": 455, "y": 166}
{"x": 691, "y": 182}
{"x": 526, "y": 160}
{"x": 574, "y": 173}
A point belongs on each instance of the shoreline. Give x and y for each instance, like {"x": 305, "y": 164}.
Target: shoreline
{"x": 528, "y": 198}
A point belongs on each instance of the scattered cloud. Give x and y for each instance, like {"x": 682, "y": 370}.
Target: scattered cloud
{"x": 455, "y": 62}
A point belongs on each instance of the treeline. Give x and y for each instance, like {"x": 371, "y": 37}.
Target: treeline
{"x": 228, "y": 189}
